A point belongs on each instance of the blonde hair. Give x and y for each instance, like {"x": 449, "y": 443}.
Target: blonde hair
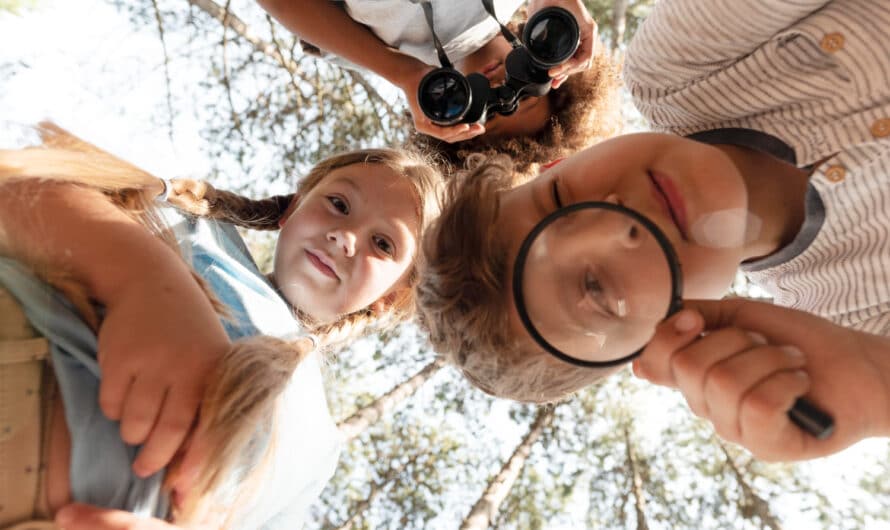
{"x": 242, "y": 395}
{"x": 462, "y": 301}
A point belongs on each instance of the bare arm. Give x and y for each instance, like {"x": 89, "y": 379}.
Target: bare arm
{"x": 156, "y": 314}
{"x": 328, "y": 26}
{"x": 57, "y": 225}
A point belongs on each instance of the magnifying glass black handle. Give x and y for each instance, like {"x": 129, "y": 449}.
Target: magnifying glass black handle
{"x": 811, "y": 419}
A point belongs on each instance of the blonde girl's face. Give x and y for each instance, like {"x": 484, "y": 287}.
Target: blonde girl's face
{"x": 349, "y": 243}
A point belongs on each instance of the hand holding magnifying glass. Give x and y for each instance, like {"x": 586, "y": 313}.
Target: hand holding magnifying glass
{"x": 593, "y": 281}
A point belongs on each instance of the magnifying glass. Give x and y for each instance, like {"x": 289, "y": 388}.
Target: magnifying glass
{"x": 593, "y": 280}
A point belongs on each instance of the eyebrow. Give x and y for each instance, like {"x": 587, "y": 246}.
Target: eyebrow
{"x": 351, "y": 183}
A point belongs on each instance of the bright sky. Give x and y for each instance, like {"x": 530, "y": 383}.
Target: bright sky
{"x": 61, "y": 49}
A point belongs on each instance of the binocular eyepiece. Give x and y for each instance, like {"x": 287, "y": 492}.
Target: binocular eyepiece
{"x": 550, "y": 37}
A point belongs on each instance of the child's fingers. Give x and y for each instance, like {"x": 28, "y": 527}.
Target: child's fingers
{"x": 113, "y": 391}
{"x": 176, "y": 419}
{"x": 692, "y": 366}
{"x": 671, "y": 335}
{"x": 729, "y": 381}
{"x": 86, "y": 517}
{"x": 141, "y": 409}
{"x": 192, "y": 460}
{"x": 763, "y": 420}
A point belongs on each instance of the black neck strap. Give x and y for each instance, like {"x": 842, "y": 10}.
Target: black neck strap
{"x": 511, "y": 38}
{"x": 489, "y": 8}
{"x": 428, "y": 13}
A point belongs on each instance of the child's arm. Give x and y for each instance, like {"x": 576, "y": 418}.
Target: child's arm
{"x": 160, "y": 335}
{"x": 328, "y": 26}
{"x": 744, "y": 374}
{"x": 684, "y": 40}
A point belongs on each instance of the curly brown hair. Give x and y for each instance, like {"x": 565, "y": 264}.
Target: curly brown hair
{"x": 585, "y": 108}
{"x": 462, "y": 296}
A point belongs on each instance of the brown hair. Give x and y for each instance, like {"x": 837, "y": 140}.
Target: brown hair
{"x": 249, "y": 378}
{"x": 462, "y": 296}
{"x": 585, "y": 109}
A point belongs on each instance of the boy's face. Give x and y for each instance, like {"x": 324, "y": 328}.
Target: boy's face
{"x": 702, "y": 213}
{"x": 349, "y": 242}
{"x": 532, "y": 114}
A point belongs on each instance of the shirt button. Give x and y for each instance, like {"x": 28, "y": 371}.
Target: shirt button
{"x": 835, "y": 173}
{"x": 832, "y": 42}
{"x": 881, "y": 128}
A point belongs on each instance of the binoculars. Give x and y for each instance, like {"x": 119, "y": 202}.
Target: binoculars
{"x": 550, "y": 37}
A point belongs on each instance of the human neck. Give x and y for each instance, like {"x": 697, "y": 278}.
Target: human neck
{"x": 776, "y": 197}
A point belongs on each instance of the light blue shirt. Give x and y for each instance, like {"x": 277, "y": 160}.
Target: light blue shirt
{"x": 307, "y": 442}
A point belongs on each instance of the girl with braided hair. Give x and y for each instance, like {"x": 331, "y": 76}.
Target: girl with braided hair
{"x": 125, "y": 320}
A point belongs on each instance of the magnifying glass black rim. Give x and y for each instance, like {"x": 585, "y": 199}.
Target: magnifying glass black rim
{"x": 519, "y": 268}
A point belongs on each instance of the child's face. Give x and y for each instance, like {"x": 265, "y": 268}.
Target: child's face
{"x": 349, "y": 243}
{"x": 625, "y": 170}
{"x": 532, "y": 114}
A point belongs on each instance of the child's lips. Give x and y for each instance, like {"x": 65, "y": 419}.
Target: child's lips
{"x": 671, "y": 200}
{"x": 490, "y": 69}
{"x": 323, "y": 264}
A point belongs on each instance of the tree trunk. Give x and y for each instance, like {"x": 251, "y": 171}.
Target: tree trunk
{"x": 619, "y": 21}
{"x": 364, "y": 417}
{"x": 753, "y": 505}
{"x": 483, "y": 512}
{"x": 636, "y": 481}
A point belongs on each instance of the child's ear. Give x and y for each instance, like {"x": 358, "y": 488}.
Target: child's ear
{"x": 385, "y": 303}
{"x": 291, "y": 208}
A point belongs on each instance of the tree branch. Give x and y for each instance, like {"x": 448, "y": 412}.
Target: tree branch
{"x": 160, "y": 23}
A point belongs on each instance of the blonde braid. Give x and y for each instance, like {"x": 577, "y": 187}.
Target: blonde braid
{"x": 199, "y": 197}
{"x": 239, "y": 401}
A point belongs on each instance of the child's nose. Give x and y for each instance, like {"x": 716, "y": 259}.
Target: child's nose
{"x": 344, "y": 239}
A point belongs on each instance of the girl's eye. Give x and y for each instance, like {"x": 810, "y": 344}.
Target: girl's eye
{"x": 384, "y": 245}
{"x": 339, "y": 204}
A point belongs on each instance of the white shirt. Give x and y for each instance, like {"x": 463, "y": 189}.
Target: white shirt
{"x": 463, "y": 26}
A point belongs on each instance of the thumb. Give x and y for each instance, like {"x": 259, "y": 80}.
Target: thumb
{"x": 673, "y": 334}
{"x": 717, "y": 313}
{"x": 184, "y": 475}
{"x": 85, "y": 517}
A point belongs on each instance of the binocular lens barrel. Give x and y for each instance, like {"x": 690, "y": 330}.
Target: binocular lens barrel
{"x": 444, "y": 96}
{"x": 551, "y": 36}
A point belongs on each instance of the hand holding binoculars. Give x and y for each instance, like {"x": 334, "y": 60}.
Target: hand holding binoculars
{"x": 447, "y": 97}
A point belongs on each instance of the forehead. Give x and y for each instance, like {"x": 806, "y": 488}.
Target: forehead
{"x": 387, "y": 192}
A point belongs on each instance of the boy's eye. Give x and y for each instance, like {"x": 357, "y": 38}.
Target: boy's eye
{"x": 595, "y": 295}
{"x": 556, "y": 198}
{"x": 385, "y": 245}
{"x": 339, "y": 204}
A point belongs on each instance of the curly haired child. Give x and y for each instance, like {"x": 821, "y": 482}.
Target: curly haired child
{"x": 392, "y": 39}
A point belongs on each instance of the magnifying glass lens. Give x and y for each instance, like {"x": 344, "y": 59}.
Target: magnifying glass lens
{"x": 595, "y": 282}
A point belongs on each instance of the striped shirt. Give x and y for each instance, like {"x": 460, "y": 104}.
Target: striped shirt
{"x": 804, "y": 80}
